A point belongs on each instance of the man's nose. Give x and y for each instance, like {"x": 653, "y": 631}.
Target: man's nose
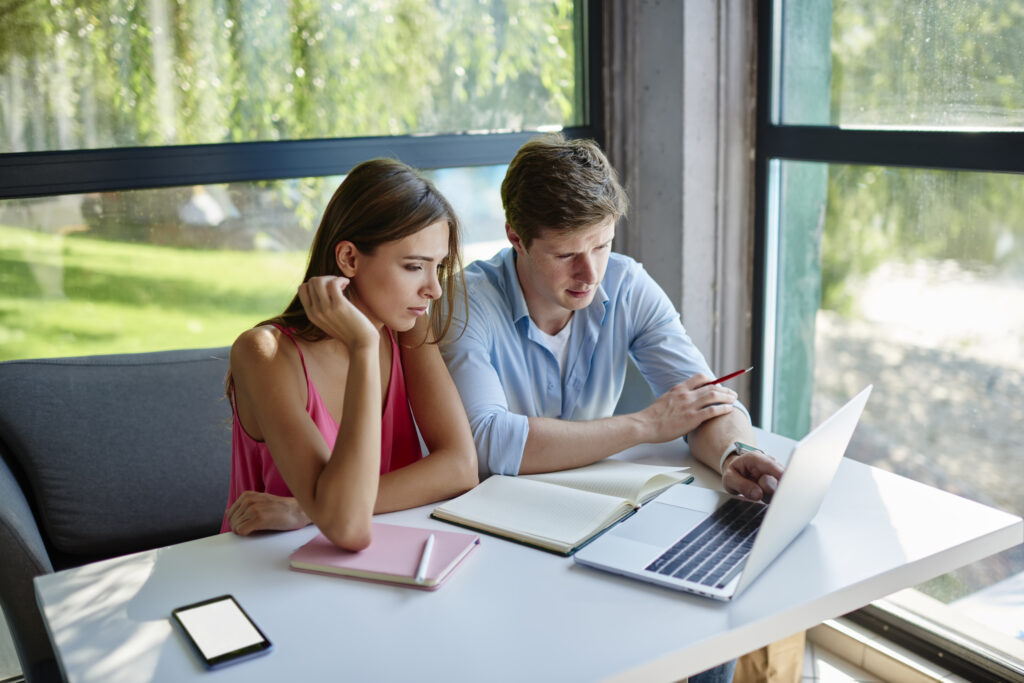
{"x": 586, "y": 270}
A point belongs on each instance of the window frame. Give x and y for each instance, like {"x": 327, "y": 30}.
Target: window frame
{"x": 991, "y": 151}
{"x": 50, "y": 173}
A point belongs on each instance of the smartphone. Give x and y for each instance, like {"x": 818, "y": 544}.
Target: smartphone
{"x": 220, "y": 631}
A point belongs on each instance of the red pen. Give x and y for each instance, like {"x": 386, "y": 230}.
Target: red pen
{"x": 723, "y": 378}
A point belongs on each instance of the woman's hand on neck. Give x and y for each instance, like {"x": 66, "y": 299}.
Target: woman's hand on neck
{"x": 327, "y": 306}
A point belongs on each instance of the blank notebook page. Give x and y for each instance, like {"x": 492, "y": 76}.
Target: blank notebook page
{"x": 532, "y": 507}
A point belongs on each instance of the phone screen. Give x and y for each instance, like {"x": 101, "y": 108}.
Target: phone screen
{"x": 221, "y": 631}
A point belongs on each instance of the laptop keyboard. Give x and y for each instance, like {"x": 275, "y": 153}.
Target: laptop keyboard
{"x": 713, "y": 552}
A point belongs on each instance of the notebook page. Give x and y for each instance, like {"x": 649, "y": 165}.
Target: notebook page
{"x": 534, "y": 509}
{"x": 615, "y": 478}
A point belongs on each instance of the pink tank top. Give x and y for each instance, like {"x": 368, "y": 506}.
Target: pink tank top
{"x": 253, "y": 469}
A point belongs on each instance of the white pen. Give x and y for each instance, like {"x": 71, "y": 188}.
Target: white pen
{"x": 421, "y": 571}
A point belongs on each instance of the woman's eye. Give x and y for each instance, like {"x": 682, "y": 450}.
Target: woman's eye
{"x": 413, "y": 268}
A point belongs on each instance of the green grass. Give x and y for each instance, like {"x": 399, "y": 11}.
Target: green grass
{"x": 73, "y": 295}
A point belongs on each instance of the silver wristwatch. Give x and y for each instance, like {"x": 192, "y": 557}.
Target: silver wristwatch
{"x": 738, "y": 448}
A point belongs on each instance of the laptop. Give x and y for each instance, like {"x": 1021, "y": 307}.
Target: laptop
{"x": 707, "y": 542}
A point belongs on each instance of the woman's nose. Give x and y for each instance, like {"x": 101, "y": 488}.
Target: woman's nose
{"x": 433, "y": 288}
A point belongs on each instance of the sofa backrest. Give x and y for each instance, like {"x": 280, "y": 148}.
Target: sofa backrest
{"x": 119, "y": 453}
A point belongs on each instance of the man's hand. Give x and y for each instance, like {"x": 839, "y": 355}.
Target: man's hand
{"x": 685, "y": 407}
{"x": 254, "y": 511}
{"x": 752, "y": 475}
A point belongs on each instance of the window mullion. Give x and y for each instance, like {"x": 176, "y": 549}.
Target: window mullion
{"x": 1000, "y": 151}
{"x": 34, "y": 174}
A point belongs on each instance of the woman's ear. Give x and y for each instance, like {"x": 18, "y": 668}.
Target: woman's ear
{"x": 346, "y": 255}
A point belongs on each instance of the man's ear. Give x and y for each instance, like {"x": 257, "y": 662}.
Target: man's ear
{"x": 515, "y": 239}
{"x": 347, "y": 257}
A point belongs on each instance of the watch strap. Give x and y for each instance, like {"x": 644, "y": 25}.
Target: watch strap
{"x": 729, "y": 450}
{"x": 739, "y": 448}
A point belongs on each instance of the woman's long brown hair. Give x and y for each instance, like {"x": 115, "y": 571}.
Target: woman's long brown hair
{"x": 379, "y": 201}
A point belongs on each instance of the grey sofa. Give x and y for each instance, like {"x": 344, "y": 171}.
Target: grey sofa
{"x": 102, "y": 456}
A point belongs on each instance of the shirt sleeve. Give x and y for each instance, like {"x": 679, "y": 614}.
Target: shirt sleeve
{"x": 499, "y": 434}
{"x": 660, "y": 346}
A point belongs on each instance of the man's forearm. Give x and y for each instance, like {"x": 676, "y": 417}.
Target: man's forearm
{"x": 553, "y": 444}
{"x": 709, "y": 441}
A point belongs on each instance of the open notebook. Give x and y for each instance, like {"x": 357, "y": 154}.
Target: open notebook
{"x": 560, "y": 511}
{"x": 392, "y": 557}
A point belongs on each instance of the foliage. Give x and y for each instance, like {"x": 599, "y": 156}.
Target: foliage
{"x": 21, "y": 30}
{"x": 933, "y": 65}
{"x": 110, "y": 73}
{"x": 115, "y": 73}
{"x": 879, "y": 214}
{"x": 927, "y": 64}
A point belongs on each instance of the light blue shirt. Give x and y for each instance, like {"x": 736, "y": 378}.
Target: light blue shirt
{"x": 505, "y": 373}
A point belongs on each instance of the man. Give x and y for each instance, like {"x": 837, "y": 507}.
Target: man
{"x": 552, "y": 322}
{"x": 550, "y": 326}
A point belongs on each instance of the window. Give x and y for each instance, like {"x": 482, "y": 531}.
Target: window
{"x": 892, "y": 252}
{"x": 180, "y": 267}
{"x": 119, "y": 74}
{"x": 163, "y": 164}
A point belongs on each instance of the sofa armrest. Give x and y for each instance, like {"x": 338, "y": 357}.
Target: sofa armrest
{"x": 25, "y": 557}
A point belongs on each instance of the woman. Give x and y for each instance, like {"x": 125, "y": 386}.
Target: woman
{"x": 324, "y": 394}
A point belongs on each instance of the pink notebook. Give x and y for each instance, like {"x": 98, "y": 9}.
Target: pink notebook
{"x": 392, "y": 557}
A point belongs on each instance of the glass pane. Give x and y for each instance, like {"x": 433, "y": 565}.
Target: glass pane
{"x": 184, "y": 267}
{"x": 475, "y": 194}
{"x": 908, "y": 65}
{"x": 917, "y": 281}
{"x": 117, "y": 73}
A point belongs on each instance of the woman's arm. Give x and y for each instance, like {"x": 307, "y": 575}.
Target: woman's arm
{"x": 450, "y": 467}
{"x": 450, "y": 470}
{"x": 336, "y": 489}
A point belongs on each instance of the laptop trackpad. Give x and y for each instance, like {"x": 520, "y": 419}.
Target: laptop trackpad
{"x": 659, "y": 524}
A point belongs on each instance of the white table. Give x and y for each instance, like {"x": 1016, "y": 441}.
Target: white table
{"x": 510, "y": 613}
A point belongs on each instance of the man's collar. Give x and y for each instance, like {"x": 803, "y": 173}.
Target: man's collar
{"x": 513, "y": 290}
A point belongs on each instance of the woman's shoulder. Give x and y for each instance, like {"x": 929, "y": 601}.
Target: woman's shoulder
{"x": 262, "y": 346}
